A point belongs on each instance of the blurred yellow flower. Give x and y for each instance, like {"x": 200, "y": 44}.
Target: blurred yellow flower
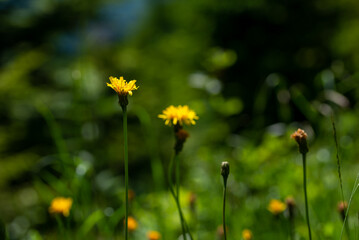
{"x": 61, "y": 205}
{"x": 247, "y": 234}
{"x": 121, "y": 86}
{"x": 153, "y": 235}
{"x": 132, "y": 224}
{"x": 276, "y": 207}
{"x": 178, "y": 115}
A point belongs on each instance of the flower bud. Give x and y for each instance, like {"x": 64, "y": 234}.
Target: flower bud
{"x": 225, "y": 171}
{"x": 342, "y": 208}
{"x": 192, "y": 201}
{"x": 290, "y": 205}
{"x": 181, "y": 136}
{"x": 300, "y": 136}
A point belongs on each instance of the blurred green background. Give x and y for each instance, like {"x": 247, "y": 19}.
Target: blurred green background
{"x": 253, "y": 70}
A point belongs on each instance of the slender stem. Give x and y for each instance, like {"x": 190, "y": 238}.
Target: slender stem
{"x": 355, "y": 188}
{"x": 186, "y": 226}
{"x": 305, "y": 194}
{"x": 169, "y": 176}
{"x": 291, "y": 226}
{"x": 178, "y": 196}
{"x": 61, "y": 226}
{"x": 224, "y": 209}
{"x": 177, "y": 177}
{"x": 174, "y": 195}
{"x": 347, "y": 229}
{"x": 124, "y": 108}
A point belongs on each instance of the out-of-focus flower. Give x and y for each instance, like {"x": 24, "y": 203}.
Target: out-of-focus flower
{"x": 342, "y": 208}
{"x": 220, "y": 232}
{"x": 131, "y": 195}
{"x": 132, "y": 224}
{"x": 178, "y": 115}
{"x": 61, "y": 205}
{"x": 192, "y": 201}
{"x": 247, "y": 234}
{"x": 153, "y": 235}
{"x": 276, "y": 207}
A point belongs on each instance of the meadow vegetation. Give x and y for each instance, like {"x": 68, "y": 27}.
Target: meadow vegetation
{"x": 220, "y": 90}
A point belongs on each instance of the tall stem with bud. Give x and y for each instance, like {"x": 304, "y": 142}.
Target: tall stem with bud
{"x": 301, "y": 138}
{"x": 178, "y": 116}
{"x": 224, "y": 173}
{"x": 305, "y": 194}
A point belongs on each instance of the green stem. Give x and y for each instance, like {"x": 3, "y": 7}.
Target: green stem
{"x": 224, "y": 209}
{"x": 178, "y": 197}
{"x": 347, "y": 229}
{"x": 305, "y": 194}
{"x": 175, "y": 197}
{"x": 61, "y": 226}
{"x": 124, "y": 108}
{"x": 169, "y": 176}
{"x": 355, "y": 188}
{"x": 291, "y": 226}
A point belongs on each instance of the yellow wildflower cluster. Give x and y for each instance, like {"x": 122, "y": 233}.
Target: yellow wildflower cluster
{"x": 178, "y": 115}
{"x": 121, "y": 86}
{"x": 153, "y": 235}
{"x": 276, "y": 207}
{"x": 61, "y": 205}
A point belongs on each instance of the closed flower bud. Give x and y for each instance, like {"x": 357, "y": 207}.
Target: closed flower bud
{"x": 290, "y": 205}
{"x": 225, "y": 169}
{"x": 342, "y": 208}
{"x": 300, "y": 136}
{"x": 181, "y": 137}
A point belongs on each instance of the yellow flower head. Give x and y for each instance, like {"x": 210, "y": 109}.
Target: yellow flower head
{"x": 276, "y": 207}
{"x": 121, "y": 86}
{"x": 153, "y": 235}
{"x": 178, "y": 115}
{"x": 61, "y": 205}
{"x": 132, "y": 224}
{"x": 247, "y": 234}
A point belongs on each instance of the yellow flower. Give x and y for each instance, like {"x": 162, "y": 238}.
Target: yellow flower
{"x": 121, "y": 86}
{"x": 132, "y": 224}
{"x": 61, "y": 205}
{"x": 276, "y": 207}
{"x": 178, "y": 115}
{"x": 153, "y": 235}
{"x": 247, "y": 234}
